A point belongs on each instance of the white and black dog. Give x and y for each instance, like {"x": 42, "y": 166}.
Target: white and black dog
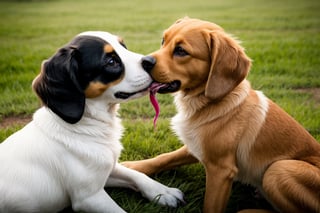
{"x": 69, "y": 152}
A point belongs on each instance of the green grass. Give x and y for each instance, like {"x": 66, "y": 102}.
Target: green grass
{"x": 281, "y": 36}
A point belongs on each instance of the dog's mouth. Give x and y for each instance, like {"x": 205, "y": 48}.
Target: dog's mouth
{"x": 161, "y": 88}
{"x": 126, "y": 95}
{"x": 165, "y": 87}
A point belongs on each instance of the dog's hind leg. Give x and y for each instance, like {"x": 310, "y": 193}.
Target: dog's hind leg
{"x": 293, "y": 186}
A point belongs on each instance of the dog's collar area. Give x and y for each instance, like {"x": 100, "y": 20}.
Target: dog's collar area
{"x": 126, "y": 95}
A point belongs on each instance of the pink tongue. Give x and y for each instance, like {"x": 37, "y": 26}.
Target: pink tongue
{"x": 153, "y": 90}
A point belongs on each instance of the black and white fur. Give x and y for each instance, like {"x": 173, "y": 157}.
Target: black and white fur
{"x": 69, "y": 152}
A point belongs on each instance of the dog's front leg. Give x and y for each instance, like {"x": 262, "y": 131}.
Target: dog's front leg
{"x": 122, "y": 176}
{"x": 162, "y": 162}
{"x": 100, "y": 202}
{"x": 219, "y": 179}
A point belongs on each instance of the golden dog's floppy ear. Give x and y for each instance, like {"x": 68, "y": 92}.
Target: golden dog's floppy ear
{"x": 229, "y": 64}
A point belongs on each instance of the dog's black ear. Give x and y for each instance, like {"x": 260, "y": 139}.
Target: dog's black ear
{"x": 58, "y": 85}
{"x": 229, "y": 64}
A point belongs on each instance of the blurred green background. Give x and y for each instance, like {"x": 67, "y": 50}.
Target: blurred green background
{"x": 281, "y": 36}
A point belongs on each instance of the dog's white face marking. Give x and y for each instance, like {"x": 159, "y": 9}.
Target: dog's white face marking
{"x": 135, "y": 82}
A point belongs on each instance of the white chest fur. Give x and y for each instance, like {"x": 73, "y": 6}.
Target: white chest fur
{"x": 187, "y": 135}
{"x": 183, "y": 127}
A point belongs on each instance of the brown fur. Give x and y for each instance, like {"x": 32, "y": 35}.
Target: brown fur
{"x": 234, "y": 131}
{"x": 108, "y": 48}
{"x": 95, "y": 89}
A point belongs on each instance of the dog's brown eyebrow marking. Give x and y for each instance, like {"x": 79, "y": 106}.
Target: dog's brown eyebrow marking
{"x": 108, "y": 48}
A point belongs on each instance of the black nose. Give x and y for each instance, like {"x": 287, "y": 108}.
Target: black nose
{"x": 148, "y": 63}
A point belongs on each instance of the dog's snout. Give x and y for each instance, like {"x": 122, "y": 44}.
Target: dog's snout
{"x": 148, "y": 63}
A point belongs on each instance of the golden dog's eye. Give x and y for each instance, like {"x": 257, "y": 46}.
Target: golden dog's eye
{"x": 162, "y": 42}
{"x": 179, "y": 51}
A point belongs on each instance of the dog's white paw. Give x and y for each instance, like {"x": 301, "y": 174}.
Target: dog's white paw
{"x": 164, "y": 195}
{"x": 172, "y": 197}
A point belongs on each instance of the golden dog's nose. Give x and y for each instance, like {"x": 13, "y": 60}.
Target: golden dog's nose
{"x": 148, "y": 63}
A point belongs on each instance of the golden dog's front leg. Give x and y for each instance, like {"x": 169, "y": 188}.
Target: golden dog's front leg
{"x": 219, "y": 179}
{"x": 162, "y": 162}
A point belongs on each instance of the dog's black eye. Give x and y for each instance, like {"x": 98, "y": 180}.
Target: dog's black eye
{"x": 112, "y": 68}
{"x": 179, "y": 51}
{"x": 162, "y": 42}
{"x": 112, "y": 60}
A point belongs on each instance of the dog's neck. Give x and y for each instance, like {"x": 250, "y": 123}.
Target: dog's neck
{"x": 98, "y": 115}
{"x": 79, "y": 138}
{"x": 100, "y": 110}
{"x": 190, "y": 105}
{"x": 96, "y": 126}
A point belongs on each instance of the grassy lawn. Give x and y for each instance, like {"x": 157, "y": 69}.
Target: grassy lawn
{"x": 281, "y": 36}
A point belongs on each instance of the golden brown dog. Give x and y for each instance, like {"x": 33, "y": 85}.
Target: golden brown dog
{"x": 235, "y": 132}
